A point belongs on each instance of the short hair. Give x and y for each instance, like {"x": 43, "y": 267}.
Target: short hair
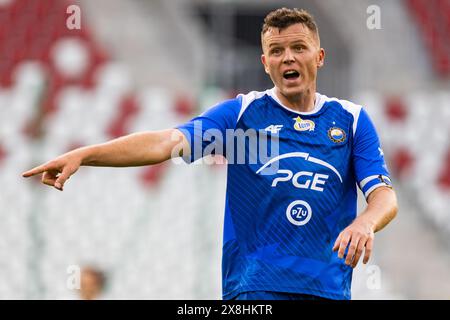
{"x": 284, "y": 17}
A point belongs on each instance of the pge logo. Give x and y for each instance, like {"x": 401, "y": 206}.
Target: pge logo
{"x": 315, "y": 181}
{"x": 299, "y": 212}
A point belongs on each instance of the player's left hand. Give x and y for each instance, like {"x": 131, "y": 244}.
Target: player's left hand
{"x": 359, "y": 237}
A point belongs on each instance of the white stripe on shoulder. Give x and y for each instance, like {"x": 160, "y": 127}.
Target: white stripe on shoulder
{"x": 349, "y": 106}
{"x": 248, "y": 98}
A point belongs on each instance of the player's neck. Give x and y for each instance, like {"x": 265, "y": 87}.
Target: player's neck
{"x": 303, "y": 102}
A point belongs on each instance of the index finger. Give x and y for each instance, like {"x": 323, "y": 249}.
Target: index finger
{"x": 34, "y": 171}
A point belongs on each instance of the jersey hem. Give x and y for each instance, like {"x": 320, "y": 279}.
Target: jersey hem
{"x": 324, "y": 294}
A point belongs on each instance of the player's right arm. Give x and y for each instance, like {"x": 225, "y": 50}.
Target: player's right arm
{"x": 137, "y": 149}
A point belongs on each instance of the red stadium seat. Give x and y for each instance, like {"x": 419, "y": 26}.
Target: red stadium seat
{"x": 184, "y": 106}
{"x": 128, "y": 108}
{"x": 433, "y": 18}
{"x": 395, "y": 109}
{"x": 2, "y": 154}
{"x": 402, "y": 162}
{"x": 151, "y": 176}
{"x": 444, "y": 177}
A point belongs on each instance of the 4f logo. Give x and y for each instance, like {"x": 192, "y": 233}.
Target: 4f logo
{"x": 274, "y": 128}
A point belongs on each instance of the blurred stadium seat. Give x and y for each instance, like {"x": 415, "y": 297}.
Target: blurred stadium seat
{"x": 433, "y": 19}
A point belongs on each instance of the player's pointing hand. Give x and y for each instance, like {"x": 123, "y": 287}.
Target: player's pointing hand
{"x": 56, "y": 172}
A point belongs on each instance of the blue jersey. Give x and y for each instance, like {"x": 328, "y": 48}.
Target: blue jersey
{"x": 284, "y": 210}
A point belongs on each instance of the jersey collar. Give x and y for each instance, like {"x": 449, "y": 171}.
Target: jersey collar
{"x": 319, "y": 102}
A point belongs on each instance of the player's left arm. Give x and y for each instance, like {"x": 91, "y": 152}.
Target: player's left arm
{"x": 373, "y": 179}
{"x": 359, "y": 235}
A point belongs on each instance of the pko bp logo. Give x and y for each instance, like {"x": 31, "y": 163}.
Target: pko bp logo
{"x": 299, "y": 212}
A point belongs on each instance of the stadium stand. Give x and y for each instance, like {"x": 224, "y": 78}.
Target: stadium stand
{"x": 433, "y": 20}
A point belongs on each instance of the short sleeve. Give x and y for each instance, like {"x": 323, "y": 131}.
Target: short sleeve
{"x": 368, "y": 158}
{"x": 207, "y": 132}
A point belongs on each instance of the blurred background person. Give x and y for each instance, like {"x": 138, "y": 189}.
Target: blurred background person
{"x": 92, "y": 283}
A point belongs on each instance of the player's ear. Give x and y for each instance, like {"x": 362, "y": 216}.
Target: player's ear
{"x": 263, "y": 60}
{"x": 321, "y": 58}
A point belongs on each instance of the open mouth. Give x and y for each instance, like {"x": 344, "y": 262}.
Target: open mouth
{"x": 291, "y": 75}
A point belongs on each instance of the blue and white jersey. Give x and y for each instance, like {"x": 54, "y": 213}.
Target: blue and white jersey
{"x": 285, "y": 209}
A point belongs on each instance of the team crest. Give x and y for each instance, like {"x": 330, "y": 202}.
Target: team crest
{"x": 336, "y": 134}
{"x": 303, "y": 125}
